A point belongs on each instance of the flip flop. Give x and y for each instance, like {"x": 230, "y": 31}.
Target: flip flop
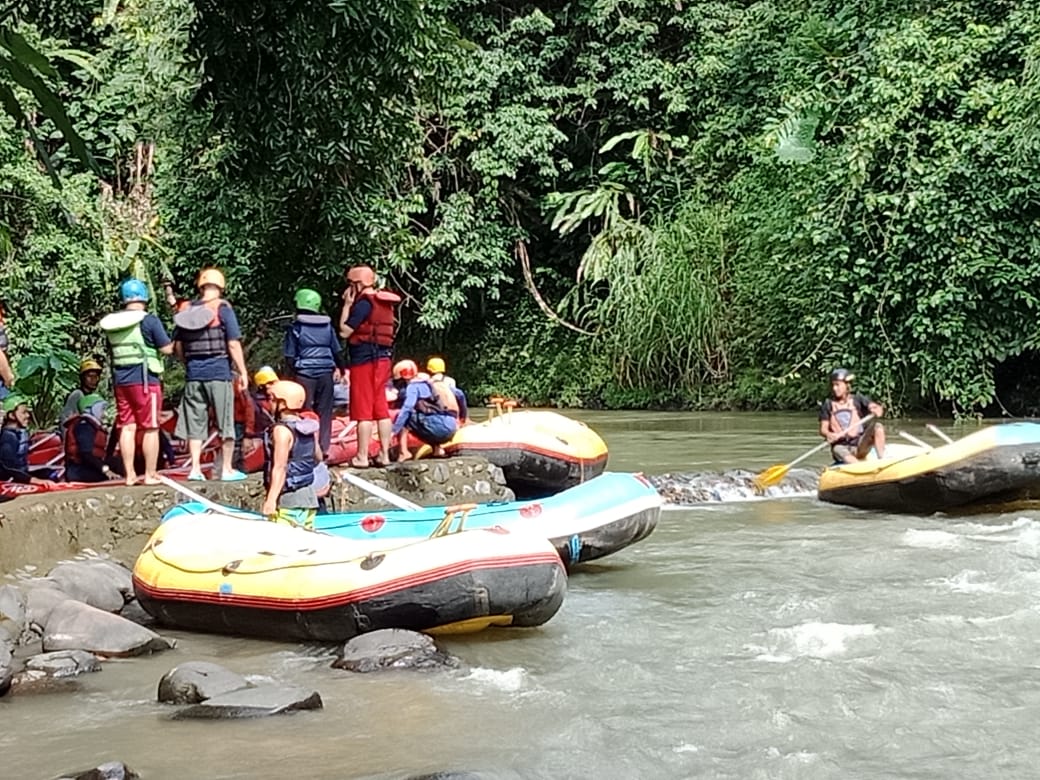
{"x": 355, "y": 465}
{"x": 381, "y": 464}
{"x": 234, "y": 476}
{"x": 196, "y": 478}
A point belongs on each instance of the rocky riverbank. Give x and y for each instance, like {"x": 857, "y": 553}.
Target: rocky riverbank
{"x": 42, "y": 528}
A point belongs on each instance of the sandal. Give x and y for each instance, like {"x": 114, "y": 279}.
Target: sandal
{"x": 353, "y": 463}
{"x": 381, "y": 464}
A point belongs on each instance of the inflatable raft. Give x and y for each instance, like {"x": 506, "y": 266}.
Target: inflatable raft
{"x": 597, "y": 518}
{"x": 993, "y": 465}
{"x": 539, "y": 452}
{"x": 227, "y": 575}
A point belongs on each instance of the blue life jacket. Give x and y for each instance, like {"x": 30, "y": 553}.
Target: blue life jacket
{"x": 14, "y": 444}
{"x": 315, "y": 344}
{"x": 299, "y": 471}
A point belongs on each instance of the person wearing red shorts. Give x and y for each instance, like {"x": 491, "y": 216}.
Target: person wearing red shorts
{"x": 368, "y": 323}
{"x": 138, "y": 341}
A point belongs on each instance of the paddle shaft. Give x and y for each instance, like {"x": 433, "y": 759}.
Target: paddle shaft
{"x": 938, "y": 432}
{"x": 826, "y": 443}
{"x": 390, "y": 497}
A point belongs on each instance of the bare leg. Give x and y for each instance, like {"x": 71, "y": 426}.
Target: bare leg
{"x": 150, "y": 448}
{"x": 127, "y": 446}
{"x": 227, "y": 451}
{"x": 879, "y": 439}
{"x": 364, "y": 439}
{"x": 195, "y": 451}
{"x": 385, "y": 433}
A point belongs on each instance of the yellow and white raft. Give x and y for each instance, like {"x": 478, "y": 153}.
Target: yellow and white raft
{"x": 539, "y": 452}
{"x": 227, "y": 575}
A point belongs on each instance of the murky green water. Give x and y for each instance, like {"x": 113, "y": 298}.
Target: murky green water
{"x": 767, "y": 639}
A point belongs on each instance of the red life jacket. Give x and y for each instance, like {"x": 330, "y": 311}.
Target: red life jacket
{"x": 72, "y": 451}
{"x": 379, "y": 326}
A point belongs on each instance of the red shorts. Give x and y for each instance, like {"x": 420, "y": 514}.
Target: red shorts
{"x": 138, "y": 405}
{"x": 368, "y": 390}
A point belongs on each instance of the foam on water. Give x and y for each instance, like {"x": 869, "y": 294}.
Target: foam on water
{"x": 935, "y": 540}
{"x": 813, "y": 640}
{"x": 970, "y": 581}
{"x": 509, "y": 680}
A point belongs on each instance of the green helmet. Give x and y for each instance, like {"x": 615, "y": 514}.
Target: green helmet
{"x": 13, "y": 401}
{"x": 89, "y": 400}
{"x": 308, "y": 300}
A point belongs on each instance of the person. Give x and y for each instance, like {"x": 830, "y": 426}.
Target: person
{"x": 429, "y": 411}
{"x": 368, "y": 324}
{"x": 138, "y": 342}
{"x": 6, "y": 373}
{"x": 291, "y": 457}
{"x": 89, "y": 379}
{"x": 313, "y": 355}
{"x": 436, "y": 369}
{"x": 840, "y": 421}
{"x": 208, "y": 339}
{"x": 14, "y": 442}
{"x": 85, "y": 442}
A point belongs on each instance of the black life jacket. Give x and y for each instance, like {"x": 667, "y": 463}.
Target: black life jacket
{"x": 206, "y": 340}
{"x": 299, "y": 471}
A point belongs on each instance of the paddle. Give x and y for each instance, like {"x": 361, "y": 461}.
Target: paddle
{"x": 938, "y": 432}
{"x": 210, "y": 505}
{"x": 390, "y": 497}
{"x": 774, "y": 474}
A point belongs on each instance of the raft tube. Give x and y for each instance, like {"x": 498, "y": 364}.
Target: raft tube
{"x": 996, "y": 464}
{"x": 237, "y": 576}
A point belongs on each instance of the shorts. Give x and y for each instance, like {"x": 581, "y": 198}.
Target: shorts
{"x": 301, "y": 518}
{"x": 858, "y": 448}
{"x": 368, "y": 390}
{"x": 138, "y": 405}
{"x": 199, "y": 396}
{"x": 434, "y": 429}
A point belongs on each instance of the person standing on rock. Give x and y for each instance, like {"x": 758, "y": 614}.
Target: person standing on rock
{"x": 208, "y": 339}
{"x": 368, "y": 323}
{"x": 291, "y": 457}
{"x": 313, "y": 354}
{"x": 138, "y": 342}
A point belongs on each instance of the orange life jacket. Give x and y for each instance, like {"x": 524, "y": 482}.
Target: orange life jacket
{"x": 379, "y": 326}
{"x": 72, "y": 451}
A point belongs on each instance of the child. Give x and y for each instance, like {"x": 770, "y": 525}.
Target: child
{"x": 292, "y": 455}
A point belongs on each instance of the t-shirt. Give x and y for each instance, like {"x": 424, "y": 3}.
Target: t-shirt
{"x": 218, "y": 367}
{"x": 364, "y": 352}
{"x": 860, "y": 402}
{"x": 71, "y": 407}
{"x": 154, "y": 336}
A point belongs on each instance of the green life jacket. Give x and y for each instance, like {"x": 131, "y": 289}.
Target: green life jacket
{"x": 123, "y": 329}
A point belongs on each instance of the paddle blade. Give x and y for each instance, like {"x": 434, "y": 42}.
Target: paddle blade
{"x": 770, "y": 476}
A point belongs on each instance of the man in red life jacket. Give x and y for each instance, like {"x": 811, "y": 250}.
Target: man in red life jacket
{"x": 368, "y": 324}
{"x": 840, "y": 417}
{"x": 85, "y": 443}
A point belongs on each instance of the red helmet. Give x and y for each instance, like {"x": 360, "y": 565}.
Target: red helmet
{"x": 362, "y": 274}
{"x": 405, "y": 369}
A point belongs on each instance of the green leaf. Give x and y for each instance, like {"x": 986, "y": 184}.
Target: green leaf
{"x": 25, "y": 53}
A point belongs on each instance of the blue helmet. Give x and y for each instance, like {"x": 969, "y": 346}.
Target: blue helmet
{"x": 134, "y": 290}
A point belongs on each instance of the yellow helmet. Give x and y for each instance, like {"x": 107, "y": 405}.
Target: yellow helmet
{"x": 210, "y": 276}
{"x": 89, "y": 364}
{"x": 363, "y": 275}
{"x": 289, "y": 393}
{"x": 405, "y": 369}
{"x": 265, "y": 376}
{"x": 435, "y": 365}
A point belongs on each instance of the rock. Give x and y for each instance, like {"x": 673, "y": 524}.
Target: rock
{"x": 196, "y": 681}
{"x": 439, "y": 474}
{"x": 90, "y": 583}
{"x": 64, "y": 663}
{"x": 135, "y": 612}
{"x": 252, "y": 703}
{"x": 393, "y": 648}
{"x": 6, "y": 667}
{"x": 113, "y": 770}
{"x": 40, "y": 601}
{"x": 12, "y": 609}
{"x": 73, "y": 625}
{"x": 446, "y": 775}
{"x": 734, "y": 485}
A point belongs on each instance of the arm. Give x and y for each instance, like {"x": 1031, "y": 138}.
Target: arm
{"x": 337, "y": 349}
{"x": 239, "y": 361}
{"x": 289, "y": 351}
{"x": 352, "y": 318}
{"x": 411, "y": 395}
{"x": 6, "y": 373}
{"x": 178, "y": 350}
{"x": 280, "y": 457}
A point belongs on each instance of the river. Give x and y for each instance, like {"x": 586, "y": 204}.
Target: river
{"x": 765, "y": 639}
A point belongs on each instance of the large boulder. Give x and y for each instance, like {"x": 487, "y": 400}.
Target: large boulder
{"x": 42, "y": 596}
{"x": 92, "y": 583}
{"x": 12, "y": 609}
{"x": 73, "y": 625}
{"x": 64, "y": 663}
{"x": 196, "y": 681}
{"x": 252, "y": 703}
{"x": 6, "y": 667}
{"x": 113, "y": 770}
{"x": 393, "y": 648}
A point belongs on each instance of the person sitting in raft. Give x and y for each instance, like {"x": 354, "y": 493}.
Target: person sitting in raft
{"x": 429, "y": 410}
{"x": 89, "y": 379}
{"x": 14, "y": 442}
{"x": 436, "y": 368}
{"x": 291, "y": 458}
{"x": 840, "y": 424}
{"x": 85, "y": 443}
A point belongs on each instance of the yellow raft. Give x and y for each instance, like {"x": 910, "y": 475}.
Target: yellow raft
{"x": 539, "y": 452}
{"x": 227, "y": 575}
{"x": 996, "y": 464}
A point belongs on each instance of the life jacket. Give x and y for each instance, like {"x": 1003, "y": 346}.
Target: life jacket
{"x": 313, "y": 344}
{"x": 846, "y": 418}
{"x": 441, "y": 400}
{"x": 202, "y": 337}
{"x": 72, "y": 451}
{"x": 21, "y": 436}
{"x": 299, "y": 471}
{"x": 123, "y": 329}
{"x": 379, "y": 326}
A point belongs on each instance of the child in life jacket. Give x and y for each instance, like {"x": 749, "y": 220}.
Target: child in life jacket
{"x": 292, "y": 456}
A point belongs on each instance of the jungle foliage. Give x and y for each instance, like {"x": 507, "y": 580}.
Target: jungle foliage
{"x": 621, "y": 203}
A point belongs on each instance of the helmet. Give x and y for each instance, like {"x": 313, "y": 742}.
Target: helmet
{"x": 842, "y": 375}
{"x": 291, "y": 394}
{"x": 89, "y": 364}
{"x": 363, "y": 275}
{"x": 405, "y": 369}
{"x": 89, "y": 400}
{"x": 134, "y": 290}
{"x": 265, "y": 376}
{"x": 308, "y": 300}
{"x": 435, "y": 365}
{"x": 13, "y": 401}
{"x": 210, "y": 276}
